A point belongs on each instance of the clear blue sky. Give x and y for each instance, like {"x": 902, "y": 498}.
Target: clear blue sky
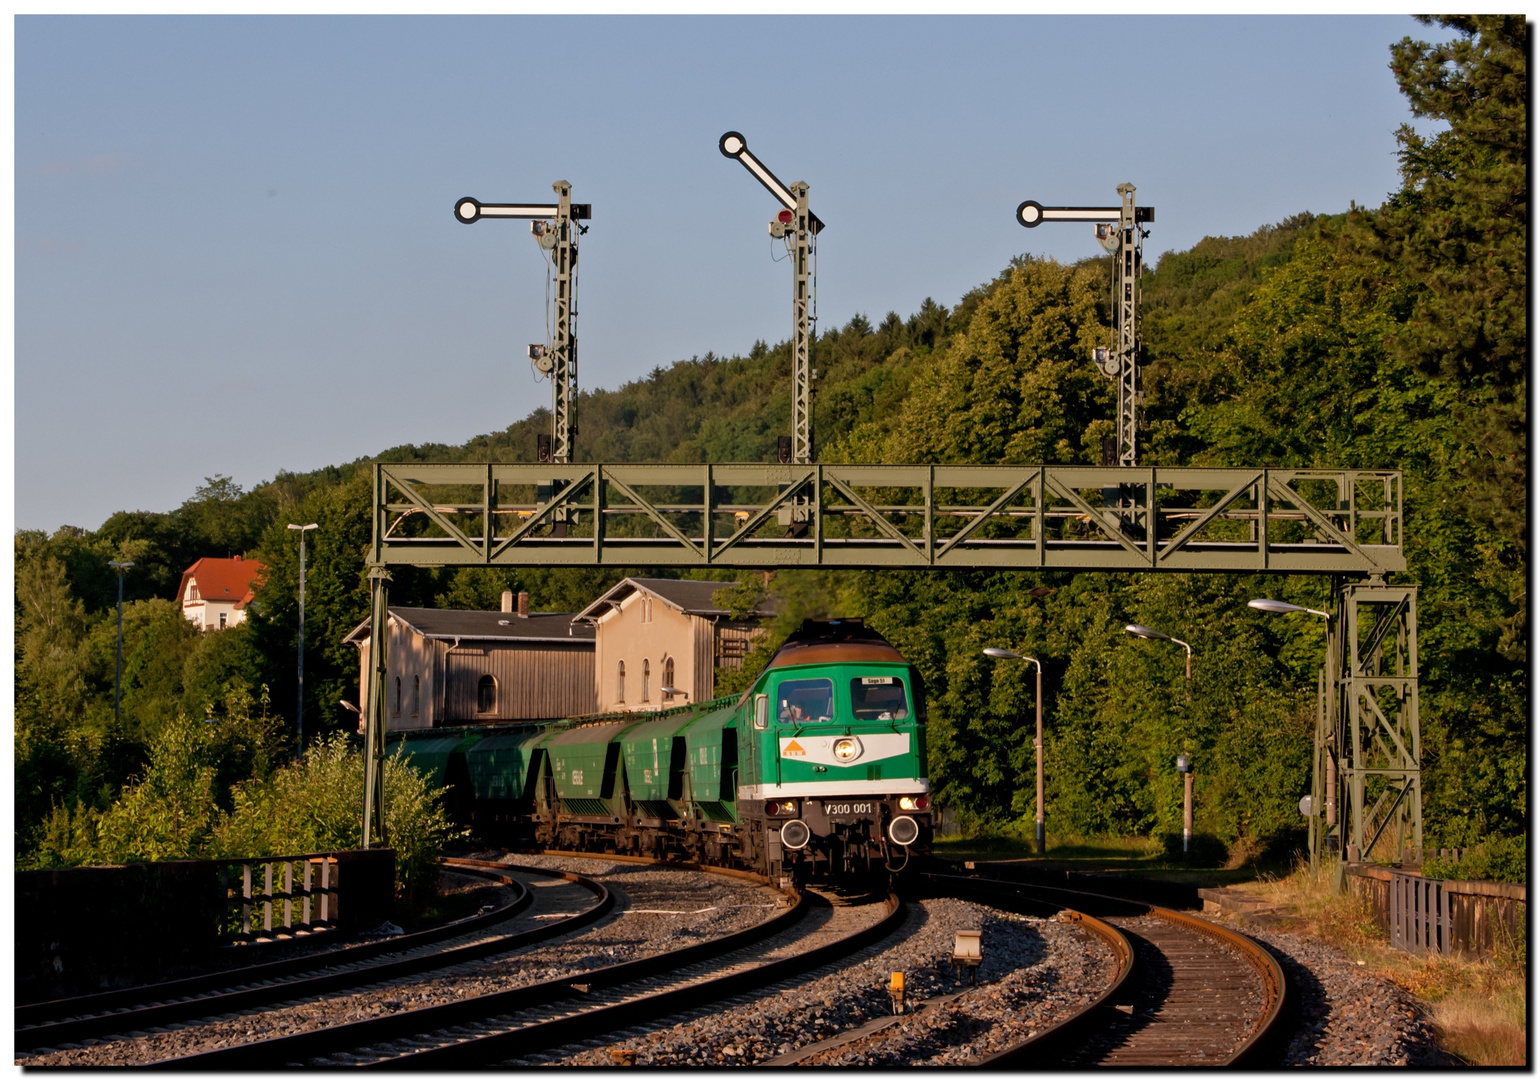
{"x": 235, "y": 251}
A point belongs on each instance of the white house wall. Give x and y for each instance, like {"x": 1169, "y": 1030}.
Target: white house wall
{"x": 622, "y": 635}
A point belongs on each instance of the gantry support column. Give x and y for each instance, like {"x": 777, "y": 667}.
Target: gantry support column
{"x": 374, "y": 724}
{"x": 1375, "y": 733}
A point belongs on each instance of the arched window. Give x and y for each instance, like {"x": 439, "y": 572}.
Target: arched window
{"x": 486, "y": 694}
{"x": 668, "y": 673}
{"x": 620, "y": 683}
{"x": 398, "y": 696}
{"x": 416, "y": 694}
{"x": 646, "y": 677}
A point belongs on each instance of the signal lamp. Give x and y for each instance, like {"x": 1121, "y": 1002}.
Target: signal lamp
{"x": 847, "y": 749}
{"x": 913, "y": 802}
{"x": 784, "y": 217}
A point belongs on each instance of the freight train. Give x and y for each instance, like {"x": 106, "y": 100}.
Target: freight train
{"x": 817, "y": 771}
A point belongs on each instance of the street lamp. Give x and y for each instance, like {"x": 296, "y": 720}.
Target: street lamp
{"x": 117, "y": 679}
{"x": 1006, "y": 654}
{"x": 669, "y": 692}
{"x": 1281, "y": 607}
{"x": 1183, "y": 764}
{"x": 1155, "y": 635}
{"x": 299, "y": 709}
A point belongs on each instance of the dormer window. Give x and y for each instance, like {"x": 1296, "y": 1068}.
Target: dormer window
{"x": 192, "y": 591}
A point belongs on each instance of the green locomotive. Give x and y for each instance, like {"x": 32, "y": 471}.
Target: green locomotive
{"x": 816, "y": 771}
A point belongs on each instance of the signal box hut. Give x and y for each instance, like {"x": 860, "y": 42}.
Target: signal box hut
{"x": 650, "y": 633}
{"x": 449, "y": 668}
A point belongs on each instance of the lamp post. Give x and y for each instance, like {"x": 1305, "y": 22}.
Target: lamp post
{"x": 1006, "y": 654}
{"x": 1183, "y": 763}
{"x": 117, "y": 678}
{"x": 1184, "y": 766}
{"x": 1325, "y": 738}
{"x": 299, "y": 708}
{"x": 669, "y": 692}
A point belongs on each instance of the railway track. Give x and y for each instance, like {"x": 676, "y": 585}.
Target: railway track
{"x": 72, "y": 1020}
{"x": 1186, "y": 992}
{"x": 1182, "y": 991}
{"x": 526, "y": 1020}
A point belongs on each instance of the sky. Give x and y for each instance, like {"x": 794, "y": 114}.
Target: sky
{"x": 235, "y": 251}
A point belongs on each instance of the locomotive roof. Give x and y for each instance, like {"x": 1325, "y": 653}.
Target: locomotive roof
{"x": 838, "y": 641}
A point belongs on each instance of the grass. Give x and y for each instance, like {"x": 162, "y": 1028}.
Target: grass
{"x": 1477, "y": 1005}
{"x": 1131, "y": 850}
{"x": 1133, "y": 855}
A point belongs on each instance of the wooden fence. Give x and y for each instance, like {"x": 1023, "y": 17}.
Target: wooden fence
{"x": 1430, "y": 915}
{"x": 265, "y": 888}
{"x": 90, "y": 928}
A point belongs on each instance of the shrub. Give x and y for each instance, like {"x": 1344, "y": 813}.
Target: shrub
{"x": 315, "y": 804}
{"x": 1498, "y": 858}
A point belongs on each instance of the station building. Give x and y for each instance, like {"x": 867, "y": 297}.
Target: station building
{"x": 447, "y": 668}
{"x": 657, "y": 633}
{"x": 623, "y": 652}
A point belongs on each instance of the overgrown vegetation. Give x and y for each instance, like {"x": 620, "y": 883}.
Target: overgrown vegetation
{"x": 1478, "y": 1005}
{"x": 1391, "y": 337}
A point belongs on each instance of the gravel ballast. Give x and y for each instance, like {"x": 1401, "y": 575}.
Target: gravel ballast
{"x": 1346, "y": 1015}
{"x": 1034, "y": 972}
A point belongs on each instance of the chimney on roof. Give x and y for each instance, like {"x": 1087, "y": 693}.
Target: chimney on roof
{"x": 508, "y": 600}
{"x": 523, "y": 605}
{"x": 237, "y": 558}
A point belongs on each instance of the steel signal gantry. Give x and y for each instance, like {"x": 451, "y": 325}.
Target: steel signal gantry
{"x": 800, "y": 227}
{"x": 1125, "y": 243}
{"x": 552, "y": 226}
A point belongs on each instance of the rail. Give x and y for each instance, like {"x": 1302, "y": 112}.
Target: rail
{"x": 1081, "y": 1026}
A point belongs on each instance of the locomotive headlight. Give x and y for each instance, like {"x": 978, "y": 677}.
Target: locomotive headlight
{"x": 913, "y": 802}
{"x": 847, "y": 749}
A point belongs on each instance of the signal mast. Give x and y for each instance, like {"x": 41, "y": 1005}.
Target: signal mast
{"x": 1124, "y": 241}
{"x": 799, "y": 227}
{"x": 552, "y": 227}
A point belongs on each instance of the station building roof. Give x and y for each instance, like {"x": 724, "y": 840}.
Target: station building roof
{"x": 450, "y": 625}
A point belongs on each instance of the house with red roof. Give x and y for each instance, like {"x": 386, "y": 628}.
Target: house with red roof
{"x": 214, "y": 592}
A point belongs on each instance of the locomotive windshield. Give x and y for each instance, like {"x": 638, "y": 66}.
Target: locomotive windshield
{"x": 880, "y": 698}
{"x": 806, "y": 701}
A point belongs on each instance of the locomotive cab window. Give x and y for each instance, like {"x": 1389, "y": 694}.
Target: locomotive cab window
{"x": 879, "y": 698}
{"x": 805, "y": 701}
